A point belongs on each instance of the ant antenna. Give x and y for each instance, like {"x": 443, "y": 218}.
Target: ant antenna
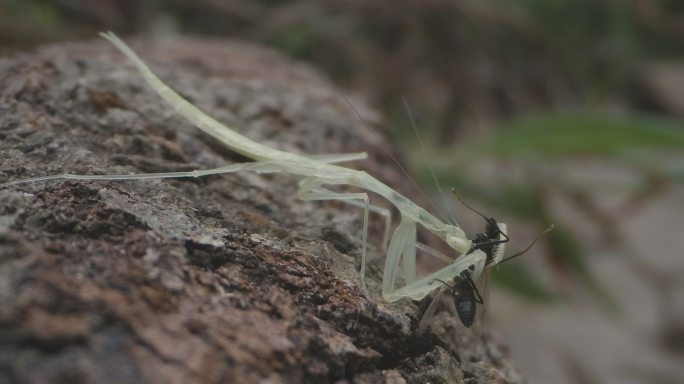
{"x": 403, "y": 170}
{"x": 453, "y": 190}
{"x": 443, "y": 283}
{"x": 521, "y": 252}
{"x": 422, "y": 148}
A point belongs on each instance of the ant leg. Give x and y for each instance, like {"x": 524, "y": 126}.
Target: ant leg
{"x": 472, "y": 284}
{"x": 501, "y": 232}
{"x": 444, "y": 283}
{"x": 504, "y": 234}
{"x": 498, "y": 255}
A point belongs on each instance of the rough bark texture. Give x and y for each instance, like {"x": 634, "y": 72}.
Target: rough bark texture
{"x": 220, "y": 279}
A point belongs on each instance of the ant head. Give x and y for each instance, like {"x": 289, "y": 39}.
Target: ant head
{"x": 491, "y": 228}
{"x": 499, "y": 233}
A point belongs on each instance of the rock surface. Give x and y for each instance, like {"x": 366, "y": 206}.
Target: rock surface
{"x": 220, "y": 279}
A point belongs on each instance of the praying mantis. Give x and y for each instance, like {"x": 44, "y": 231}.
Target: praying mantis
{"x": 318, "y": 173}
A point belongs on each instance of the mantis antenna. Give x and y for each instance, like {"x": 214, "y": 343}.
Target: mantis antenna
{"x": 422, "y": 149}
{"x": 396, "y": 161}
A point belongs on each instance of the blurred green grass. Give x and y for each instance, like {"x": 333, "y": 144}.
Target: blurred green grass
{"x": 588, "y": 134}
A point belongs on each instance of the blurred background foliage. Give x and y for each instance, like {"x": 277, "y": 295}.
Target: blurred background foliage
{"x": 525, "y": 105}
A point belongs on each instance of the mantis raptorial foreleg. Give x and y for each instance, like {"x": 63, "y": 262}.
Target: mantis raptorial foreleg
{"x": 422, "y": 287}
{"x": 402, "y": 250}
{"x": 408, "y": 262}
{"x": 405, "y": 231}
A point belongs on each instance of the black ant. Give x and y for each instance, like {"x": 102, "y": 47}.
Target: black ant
{"x": 464, "y": 289}
{"x": 490, "y": 240}
{"x": 466, "y": 296}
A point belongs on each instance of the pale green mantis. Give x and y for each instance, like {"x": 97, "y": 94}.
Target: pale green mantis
{"x": 319, "y": 172}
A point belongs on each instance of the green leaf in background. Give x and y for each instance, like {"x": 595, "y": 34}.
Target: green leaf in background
{"x": 39, "y": 12}
{"x": 580, "y": 134}
{"x": 520, "y": 200}
{"x": 299, "y": 40}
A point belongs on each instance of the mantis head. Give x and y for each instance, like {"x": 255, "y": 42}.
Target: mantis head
{"x": 456, "y": 239}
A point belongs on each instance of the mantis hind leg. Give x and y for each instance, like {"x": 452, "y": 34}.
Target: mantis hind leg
{"x": 385, "y": 213}
{"x": 257, "y": 166}
{"x": 310, "y": 189}
{"x": 338, "y": 157}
